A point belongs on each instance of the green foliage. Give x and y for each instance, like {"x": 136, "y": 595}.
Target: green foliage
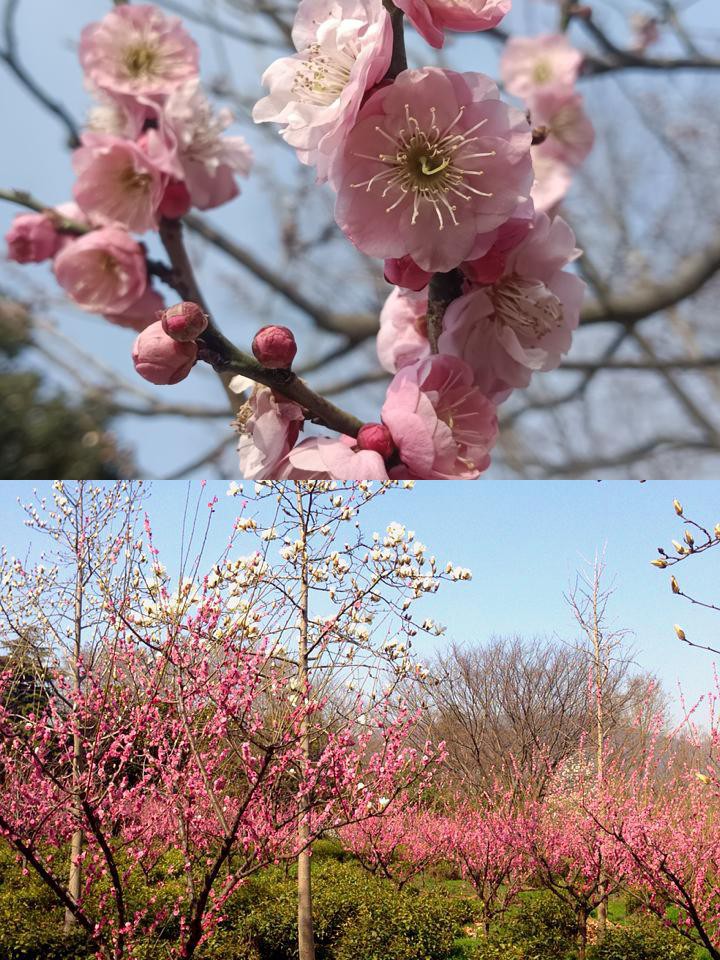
{"x": 642, "y": 938}
{"x": 31, "y": 921}
{"x": 357, "y": 917}
{"x": 544, "y": 926}
{"x": 43, "y": 433}
{"x": 538, "y": 927}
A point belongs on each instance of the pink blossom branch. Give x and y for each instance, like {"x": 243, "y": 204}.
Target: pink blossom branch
{"x": 226, "y": 358}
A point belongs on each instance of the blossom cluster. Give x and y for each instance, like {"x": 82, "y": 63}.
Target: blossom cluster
{"x": 153, "y": 147}
{"x": 432, "y": 172}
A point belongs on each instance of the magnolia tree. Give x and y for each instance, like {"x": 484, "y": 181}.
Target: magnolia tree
{"x": 203, "y": 727}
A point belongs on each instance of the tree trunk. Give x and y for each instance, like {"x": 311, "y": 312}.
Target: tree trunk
{"x": 306, "y": 934}
{"x": 76, "y": 845}
{"x": 582, "y": 918}
{"x": 602, "y": 912}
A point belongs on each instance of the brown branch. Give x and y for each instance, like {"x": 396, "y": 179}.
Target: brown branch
{"x": 228, "y": 360}
{"x": 443, "y": 289}
{"x": 10, "y": 56}
{"x": 355, "y": 327}
{"x": 691, "y": 275}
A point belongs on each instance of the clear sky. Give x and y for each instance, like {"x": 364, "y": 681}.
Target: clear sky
{"x": 523, "y": 541}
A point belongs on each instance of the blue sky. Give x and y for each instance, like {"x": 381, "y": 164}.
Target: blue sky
{"x": 523, "y": 542}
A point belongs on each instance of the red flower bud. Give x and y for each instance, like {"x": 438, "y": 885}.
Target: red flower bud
{"x": 377, "y": 437}
{"x": 275, "y": 347}
{"x": 183, "y": 321}
{"x": 175, "y": 201}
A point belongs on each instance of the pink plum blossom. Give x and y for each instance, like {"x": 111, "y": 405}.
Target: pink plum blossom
{"x": 160, "y": 359}
{"x": 344, "y": 49}
{"x": 322, "y": 458}
{"x": 488, "y": 267}
{"x": 570, "y": 133}
{"x": 190, "y": 147}
{"x": 442, "y": 424}
{"x": 117, "y": 183}
{"x": 524, "y": 321}
{"x": 136, "y": 49}
{"x": 432, "y": 17}
{"x": 545, "y": 62}
{"x": 552, "y": 181}
{"x": 402, "y": 338}
{"x": 269, "y": 427}
{"x": 103, "y": 271}
{"x": 32, "y": 238}
{"x": 435, "y": 162}
{"x": 490, "y": 252}
{"x": 141, "y": 313}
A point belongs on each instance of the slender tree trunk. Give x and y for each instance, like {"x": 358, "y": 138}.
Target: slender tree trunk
{"x": 76, "y": 844}
{"x": 600, "y": 743}
{"x": 306, "y": 934}
{"x": 582, "y": 918}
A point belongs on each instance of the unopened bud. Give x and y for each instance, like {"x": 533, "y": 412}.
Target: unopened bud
{"x": 679, "y": 632}
{"x": 717, "y": 531}
{"x": 176, "y": 200}
{"x": 377, "y": 437}
{"x": 674, "y": 585}
{"x": 678, "y": 507}
{"x": 183, "y": 321}
{"x": 160, "y": 359}
{"x": 689, "y": 539}
{"x": 678, "y": 546}
{"x": 275, "y": 347}
{"x": 659, "y": 563}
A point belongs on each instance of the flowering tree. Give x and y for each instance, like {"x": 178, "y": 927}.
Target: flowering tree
{"x": 398, "y": 846}
{"x": 489, "y": 845}
{"x": 225, "y": 721}
{"x": 456, "y": 194}
{"x": 662, "y": 817}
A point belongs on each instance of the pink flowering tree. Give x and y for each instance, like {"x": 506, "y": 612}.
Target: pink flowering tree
{"x": 660, "y": 813}
{"x": 226, "y": 715}
{"x": 399, "y": 846}
{"x": 489, "y": 844}
{"x": 455, "y": 194}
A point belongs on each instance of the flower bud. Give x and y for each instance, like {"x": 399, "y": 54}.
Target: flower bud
{"x": 678, "y": 546}
{"x": 679, "y": 632}
{"x": 674, "y": 585}
{"x": 689, "y": 539}
{"x": 678, "y": 507}
{"x": 377, "y": 437}
{"x": 183, "y": 321}
{"x": 659, "y": 563}
{"x": 275, "y": 347}
{"x": 717, "y": 531}
{"x": 32, "y": 238}
{"x": 160, "y": 359}
{"x": 175, "y": 201}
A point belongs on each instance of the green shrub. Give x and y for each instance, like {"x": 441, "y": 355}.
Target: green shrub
{"x": 356, "y": 917}
{"x": 31, "y": 922}
{"x": 543, "y": 926}
{"x": 642, "y": 938}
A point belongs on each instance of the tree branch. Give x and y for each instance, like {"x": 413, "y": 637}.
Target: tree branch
{"x": 227, "y": 359}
